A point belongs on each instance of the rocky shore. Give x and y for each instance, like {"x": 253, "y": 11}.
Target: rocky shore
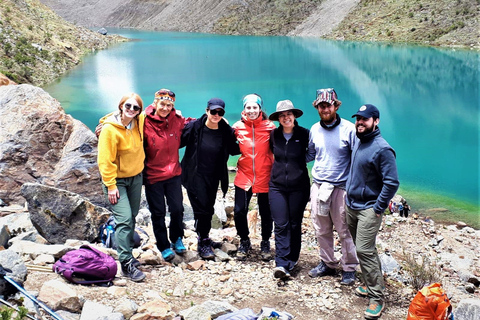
{"x": 197, "y": 289}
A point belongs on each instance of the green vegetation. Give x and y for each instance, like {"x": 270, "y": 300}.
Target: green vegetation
{"x": 421, "y": 269}
{"x": 430, "y": 22}
{"x": 7, "y": 313}
{"x": 37, "y": 46}
{"x": 275, "y": 17}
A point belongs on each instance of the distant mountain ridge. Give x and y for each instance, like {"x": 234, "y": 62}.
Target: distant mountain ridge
{"x": 430, "y": 22}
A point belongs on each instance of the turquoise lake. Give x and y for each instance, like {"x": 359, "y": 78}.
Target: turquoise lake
{"x": 428, "y": 97}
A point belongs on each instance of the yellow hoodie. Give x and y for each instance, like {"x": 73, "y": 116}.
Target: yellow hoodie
{"x": 120, "y": 150}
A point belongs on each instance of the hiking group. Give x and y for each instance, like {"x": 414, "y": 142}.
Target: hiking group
{"x": 354, "y": 178}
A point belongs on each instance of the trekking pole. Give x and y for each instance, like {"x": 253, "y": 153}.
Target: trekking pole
{"x": 8, "y": 304}
{"x": 41, "y": 304}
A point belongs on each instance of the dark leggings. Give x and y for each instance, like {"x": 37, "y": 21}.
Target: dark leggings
{"x": 287, "y": 212}
{"x": 242, "y": 200}
{"x": 202, "y": 198}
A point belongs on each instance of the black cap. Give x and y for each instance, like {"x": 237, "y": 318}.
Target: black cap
{"x": 216, "y": 103}
{"x": 368, "y": 111}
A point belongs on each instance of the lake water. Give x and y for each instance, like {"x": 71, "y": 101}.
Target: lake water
{"x": 428, "y": 97}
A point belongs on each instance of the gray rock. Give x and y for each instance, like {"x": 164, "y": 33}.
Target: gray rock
{"x": 40, "y": 143}
{"x": 467, "y": 309}
{"x": 102, "y": 31}
{"x": 9, "y": 259}
{"x": 59, "y": 215}
{"x": 93, "y": 311}
{"x": 4, "y": 236}
{"x": 65, "y": 315}
{"x": 58, "y": 295}
{"x": 32, "y": 250}
{"x": 112, "y": 316}
{"x": 126, "y": 308}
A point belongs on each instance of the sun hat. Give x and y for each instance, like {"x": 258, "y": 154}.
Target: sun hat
{"x": 252, "y": 98}
{"x": 216, "y": 103}
{"x": 285, "y": 105}
{"x": 328, "y": 95}
{"x": 368, "y": 111}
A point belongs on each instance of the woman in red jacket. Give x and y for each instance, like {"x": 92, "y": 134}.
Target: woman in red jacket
{"x": 254, "y": 165}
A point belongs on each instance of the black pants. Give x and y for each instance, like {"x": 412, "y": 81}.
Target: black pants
{"x": 171, "y": 189}
{"x": 242, "y": 200}
{"x": 287, "y": 212}
{"x": 202, "y": 198}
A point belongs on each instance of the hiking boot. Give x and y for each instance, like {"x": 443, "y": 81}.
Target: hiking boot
{"x": 136, "y": 263}
{"x": 130, "y": 271}
{"x": 265, "y": 250}
{"x": 374, "y": 310}
{"x": 280, "y": 273}
{"x": 178, "y": 246}
{"x": 168, "y": 254}
{"x": 321, "y": 270}
{"x": 243, "y": 249}
{"x": 205, "y": 248}
{"x": 361, "y": 291}
{"x": 348, "y": 278}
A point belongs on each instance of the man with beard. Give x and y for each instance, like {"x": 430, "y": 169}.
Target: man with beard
{"x": 372, "y": 182}
{"x": 331, "y": 141}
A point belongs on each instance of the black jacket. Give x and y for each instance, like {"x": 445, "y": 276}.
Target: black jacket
{"x": 289, "y": 169}
{"x": 191, "y": 138}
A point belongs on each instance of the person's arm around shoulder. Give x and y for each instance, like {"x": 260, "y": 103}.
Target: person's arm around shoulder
{"x": 311, "y": 152}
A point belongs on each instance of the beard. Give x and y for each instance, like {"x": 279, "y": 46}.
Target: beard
{"x": 365, "y": 132}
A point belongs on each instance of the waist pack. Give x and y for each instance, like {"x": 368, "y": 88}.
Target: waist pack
{"x": 430, "y": 303}
{"x": 86, "y": 265}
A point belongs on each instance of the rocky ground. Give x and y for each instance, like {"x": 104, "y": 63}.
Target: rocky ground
{"x": 452, "y": 250}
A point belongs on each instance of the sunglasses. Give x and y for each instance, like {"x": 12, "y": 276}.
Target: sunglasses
{"x": 129, "y": 106}
{"x": 163, "y": 91}
{"x": 220, "y": 112}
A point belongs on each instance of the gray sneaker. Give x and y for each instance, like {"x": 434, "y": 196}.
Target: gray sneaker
{"x": 348, "y": 278}
{"x": 321, "y": 270}
{"x": 130, "y": 271}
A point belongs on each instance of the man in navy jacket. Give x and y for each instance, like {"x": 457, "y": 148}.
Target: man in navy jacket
{"x": 372, "y": 182}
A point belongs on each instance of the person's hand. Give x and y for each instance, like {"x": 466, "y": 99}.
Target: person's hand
{"x": 113, "y": 196}
{"x": 98, "y": 129}
{"x": 178, "y": 112}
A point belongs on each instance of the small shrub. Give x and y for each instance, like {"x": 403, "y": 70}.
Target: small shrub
{"x": 410, "y": 14}
{"x": 422, "y": 270}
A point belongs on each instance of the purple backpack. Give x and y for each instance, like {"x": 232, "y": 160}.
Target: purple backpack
{"x": 86, "y": 265}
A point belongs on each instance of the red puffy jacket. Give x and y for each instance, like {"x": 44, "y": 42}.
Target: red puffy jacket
{"x": 162, "y": 140}
{"x": 256, "y": 160}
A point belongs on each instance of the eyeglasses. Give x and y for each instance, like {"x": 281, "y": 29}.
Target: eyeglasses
{"x": 165, "y": 91}
{"x": 220, "y": 112}
{"x": 129, "y": 106}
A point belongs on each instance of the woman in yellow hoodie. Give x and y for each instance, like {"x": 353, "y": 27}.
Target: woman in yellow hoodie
{"x": 120, "y": 161}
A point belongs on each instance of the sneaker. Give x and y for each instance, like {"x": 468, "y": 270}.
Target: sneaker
{"x": 280, "y": 273}
{"x": 136, "y": 263}
{"x": 214, "y": 244}
{"x": 178, "y": 246}
{"x": 205, "y": 248}
{"x": 321, "y": 270}
{"x": 168, "y": 254}
{"x": 374, "y": 310}
{"x": 130, "y": 271}
{"x": 361, "y": 291}
{"x": 265, "y": 250}
{"x": 243, "y": 249}
{"x": 348, "y": 278}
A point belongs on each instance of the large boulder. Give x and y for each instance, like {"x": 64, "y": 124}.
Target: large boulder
{"x": 59, "y": 215}
{"x": 39, "y": 143}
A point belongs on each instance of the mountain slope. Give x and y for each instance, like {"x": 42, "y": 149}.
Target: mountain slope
{"x": 431, "y": 22}
{"x": 37, "y": 46}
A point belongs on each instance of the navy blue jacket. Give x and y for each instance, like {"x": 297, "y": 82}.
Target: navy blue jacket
{"x": 373, "y": 178}
{"x": 289, "y": 169}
